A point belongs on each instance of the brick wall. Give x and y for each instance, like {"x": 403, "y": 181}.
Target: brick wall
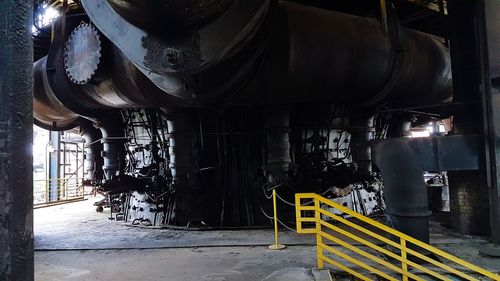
{"x": 469, "y": 203}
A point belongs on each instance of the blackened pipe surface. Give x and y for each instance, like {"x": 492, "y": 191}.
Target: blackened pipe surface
{"x": 181, "y": 52}
{"x": 171, "y": 15}
{"x": 113, "y": 142}
{"x": 322, "y": 55}
{"x": 362, "y": 130}
{"x": 49, "y": 113}
{"x": 316, "y": 55}
{"x": 404, "y": 188}
{"x": 93, "y": 148}
{"x": 16, "y": 139}
{"x": 180, "y": 148}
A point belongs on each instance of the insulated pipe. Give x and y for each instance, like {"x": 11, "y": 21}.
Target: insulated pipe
{"x": 113, "y": 143}
{"x": 180, "y": 149}
{"x": 16, "y": 140}
{"x": 362, "y": 130}
{"x": 93, "y": 147}
{"x": 404, "y": 188}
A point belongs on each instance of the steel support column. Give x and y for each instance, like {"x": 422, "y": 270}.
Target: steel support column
{"x": 54, "y": 164}
{"x": 16, "y": 138}
{"x": 489, "y": 34}
{"x": 469, "y": 190}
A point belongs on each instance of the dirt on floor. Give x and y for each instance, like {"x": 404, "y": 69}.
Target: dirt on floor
{"x": 74, "y": 242}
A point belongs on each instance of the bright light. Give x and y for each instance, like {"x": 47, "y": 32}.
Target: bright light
{"x": 45, "y": 17}
{"x": 428, "y": 131}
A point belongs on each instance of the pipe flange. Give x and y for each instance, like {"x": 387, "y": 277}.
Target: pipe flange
{"x": 82, "y": 53}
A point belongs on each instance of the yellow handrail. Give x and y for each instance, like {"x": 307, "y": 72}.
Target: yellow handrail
{"x": 406, "y": 246}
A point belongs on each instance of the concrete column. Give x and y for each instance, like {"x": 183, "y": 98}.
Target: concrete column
{"x": 16, "y": 138}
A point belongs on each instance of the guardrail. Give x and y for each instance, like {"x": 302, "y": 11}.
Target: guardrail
{"x": 55, "y": 190}
{"x": 404, "y": 249}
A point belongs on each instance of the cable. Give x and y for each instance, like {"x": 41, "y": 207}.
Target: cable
{"x": 284, "y": 201}
{"x": 279, "y": 221}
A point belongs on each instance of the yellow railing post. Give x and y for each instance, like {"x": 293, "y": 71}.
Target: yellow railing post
{"x": 319, "y": 238}
{"x": 404, "y": 265}
{"x": 276, "y": 245}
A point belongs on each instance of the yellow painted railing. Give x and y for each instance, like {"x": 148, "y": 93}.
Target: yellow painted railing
{"x": 405, "y": 250}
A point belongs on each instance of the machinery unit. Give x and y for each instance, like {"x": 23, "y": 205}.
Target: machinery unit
{"x": 194, "y": 110}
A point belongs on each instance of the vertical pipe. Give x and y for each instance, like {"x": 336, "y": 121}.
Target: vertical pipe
{"x": 362, "y": 131}
{"x": 180, "y": 149}
{"x": 404, "y": 188}
{"x": 92, "y": 169}
{"x": 16, "y": 139}
{"x": 113, "y": 146}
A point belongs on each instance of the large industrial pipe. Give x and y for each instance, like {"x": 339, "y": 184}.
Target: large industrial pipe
{"x": 113, "y": 143}
{"x": 404, "y": 188}
{"x": 49, "y": 112}
{"x": 217, "y": 31}
{"x": 314, "y": 55}
{"x": 322, "y": 55}
{"x": 180, "y": 149}
{"x": 93, "y": 147}
{"x": 16, "y": 140}
{"x": 158, "y": 16}
{"x": 362, "y": 130}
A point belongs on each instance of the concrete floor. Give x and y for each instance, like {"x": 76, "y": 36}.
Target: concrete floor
{"x": 73, "y": 242}
{"x": 207, "y": 264}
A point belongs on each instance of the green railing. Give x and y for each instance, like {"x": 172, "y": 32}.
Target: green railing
{"x": 54, "y": 190}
